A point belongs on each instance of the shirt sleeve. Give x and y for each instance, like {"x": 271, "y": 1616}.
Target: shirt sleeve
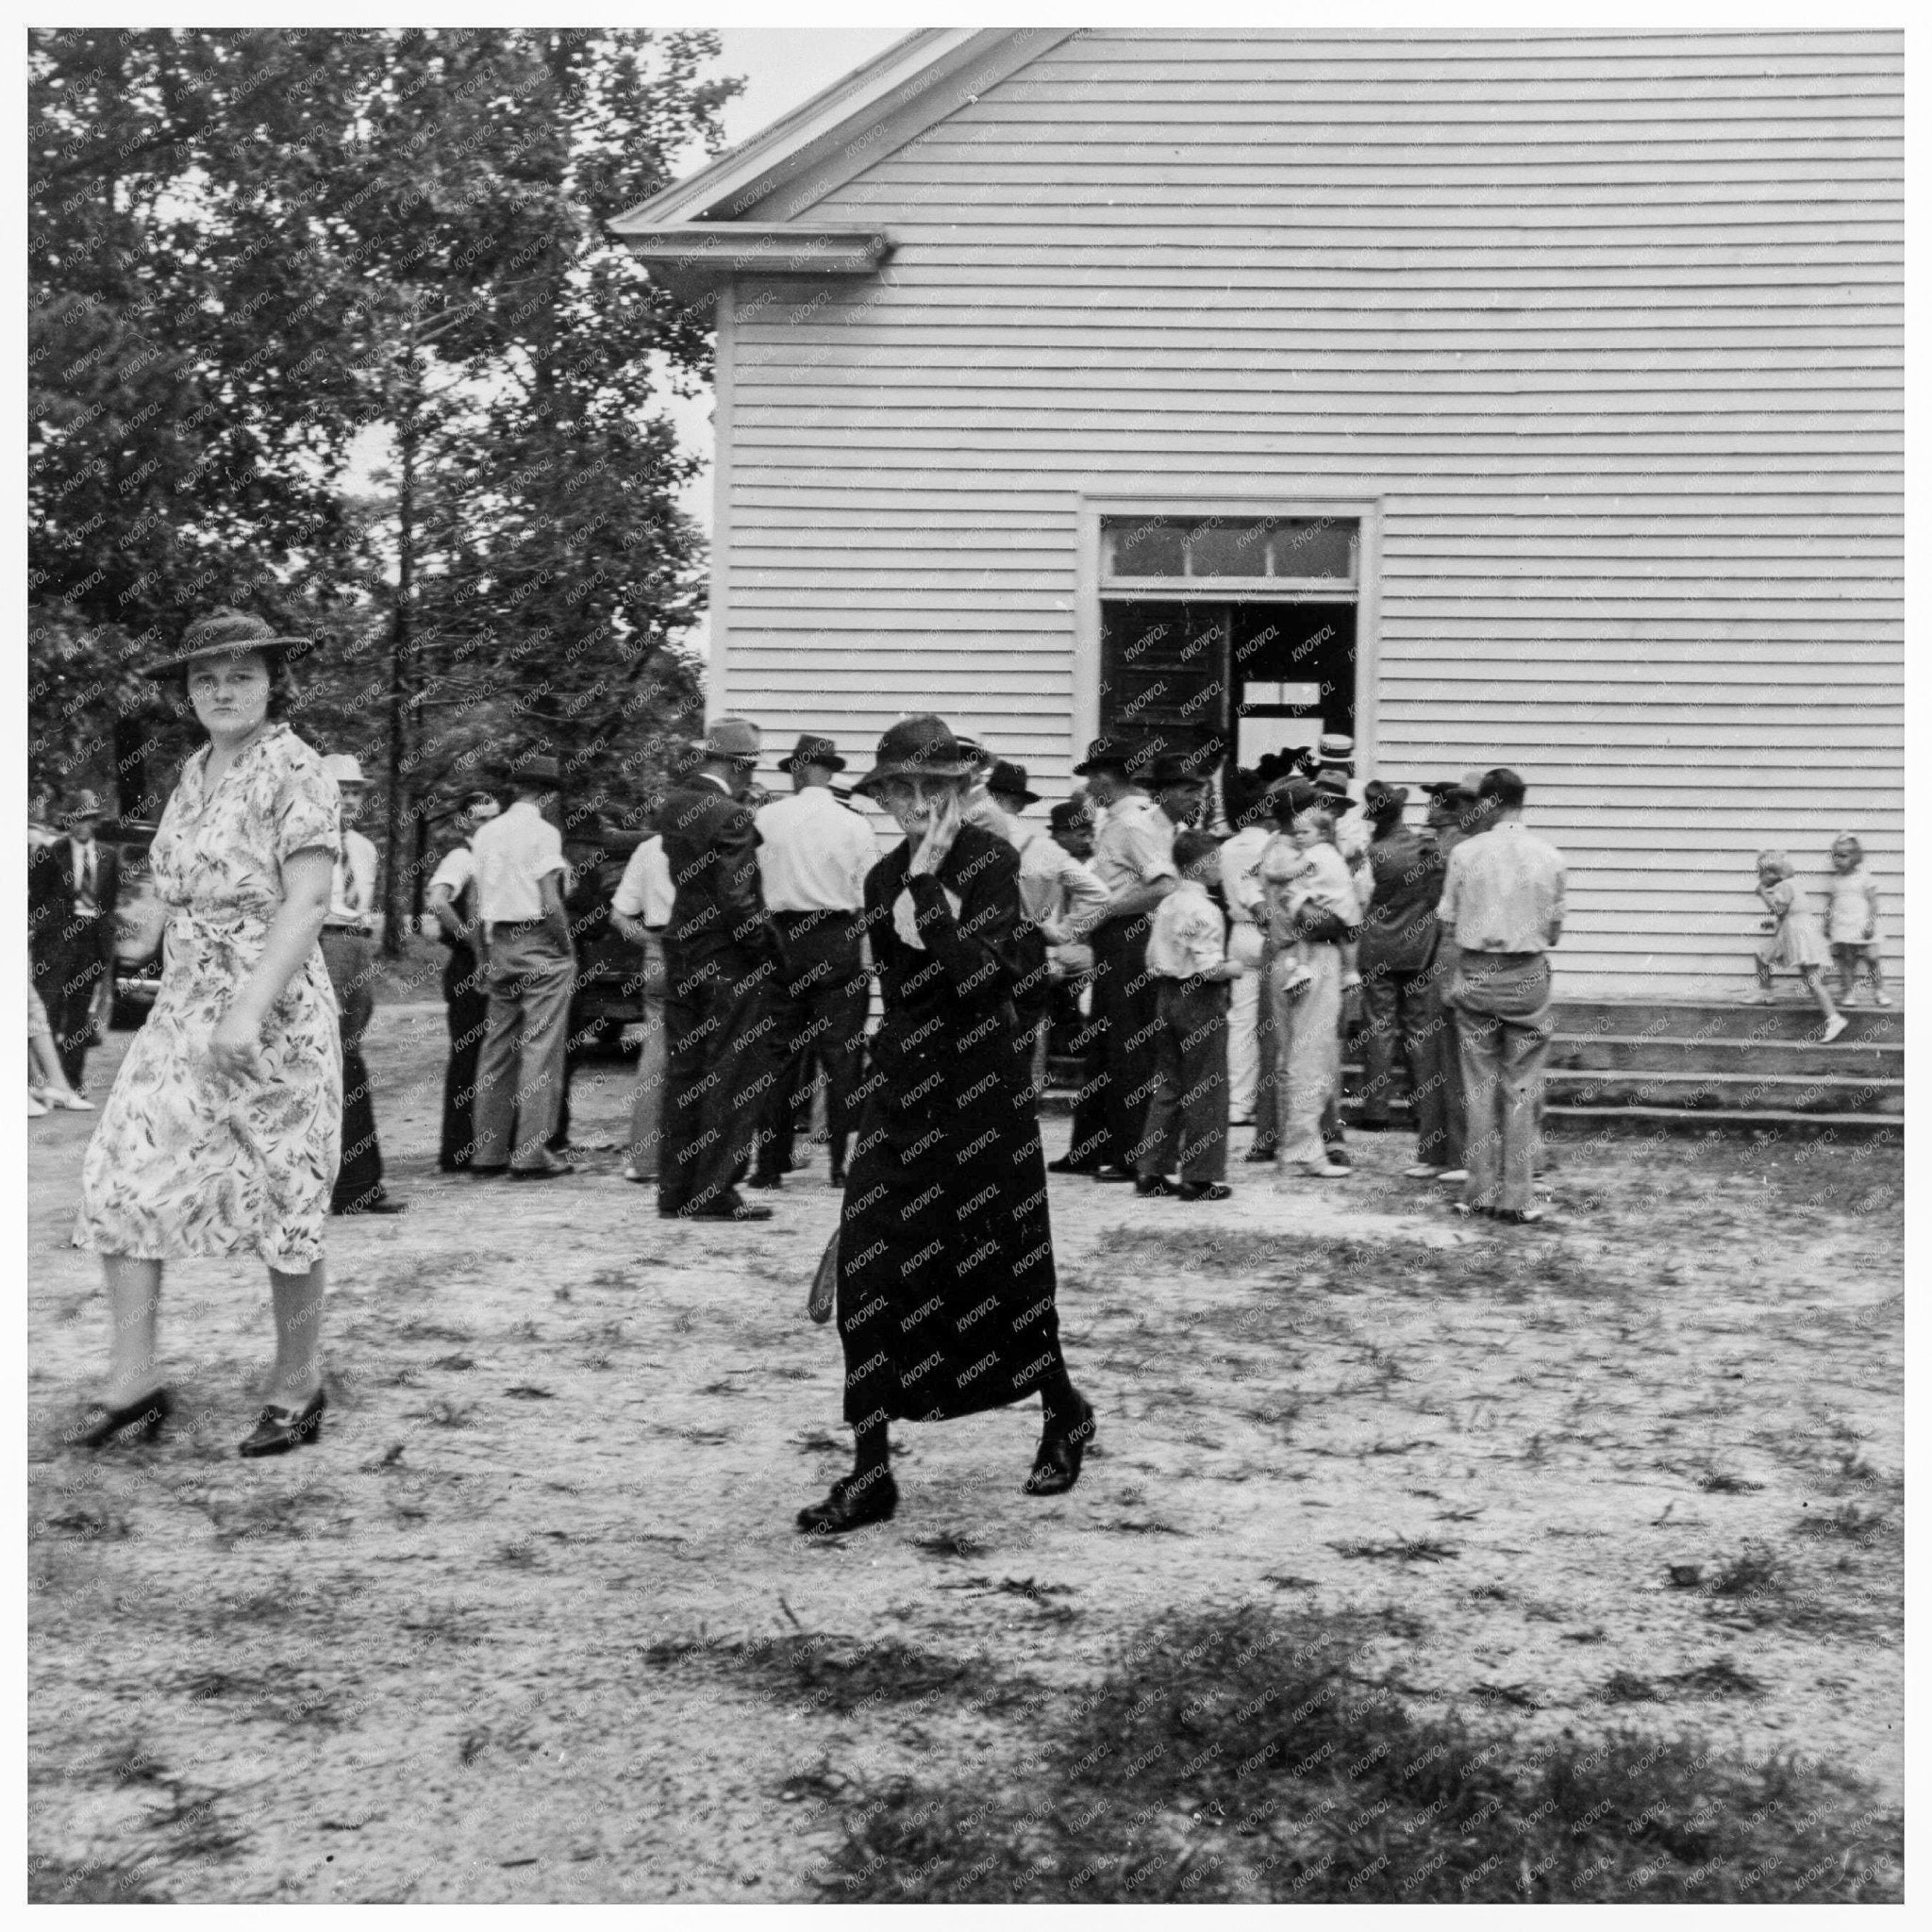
{"x": 1151, "y": 855}
{"x": 362, "y": 862}
{"x": 1452, "y": 889}
{"x": 546, "y": 852}
{"x": 1553, "y": 931}
{"x": 308, "y": 818}
{"x": 629, "y": 897}
{"x": 1086, "y": 898}
{"x": 1198, "y": 935}
{"x": 457, "y": 868}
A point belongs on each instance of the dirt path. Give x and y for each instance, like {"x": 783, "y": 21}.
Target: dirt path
{"x": 473, "y": 1646}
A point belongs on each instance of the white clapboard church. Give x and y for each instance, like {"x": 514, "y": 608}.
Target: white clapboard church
{"x": 1527, "y": 398}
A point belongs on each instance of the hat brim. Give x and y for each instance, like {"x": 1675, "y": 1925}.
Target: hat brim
{"x": 927, "y": 768}
{"x": 834, "y": 763}
{"x": 181, "y": 659}
{"x": 1122, "y": 763}
{"x": 1025, "y": 797}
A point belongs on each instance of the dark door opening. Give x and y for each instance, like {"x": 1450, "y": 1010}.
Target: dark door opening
{"x": 1234, "y": 680}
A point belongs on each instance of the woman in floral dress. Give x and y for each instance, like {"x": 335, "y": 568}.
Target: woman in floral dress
{"x": 223, "y": 1133}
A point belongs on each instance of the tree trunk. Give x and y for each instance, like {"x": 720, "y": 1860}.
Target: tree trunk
{"x": 398, "y": 920}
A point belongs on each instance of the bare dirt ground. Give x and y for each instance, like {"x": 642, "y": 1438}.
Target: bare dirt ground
{"x": 503, "y": 1634}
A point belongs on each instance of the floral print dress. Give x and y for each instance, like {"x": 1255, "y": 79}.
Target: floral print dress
{"x": 184, "y": 1162}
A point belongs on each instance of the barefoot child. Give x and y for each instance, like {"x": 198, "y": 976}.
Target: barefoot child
{"x": 1850, "y": 922}
{"x": 1795, "y": 944}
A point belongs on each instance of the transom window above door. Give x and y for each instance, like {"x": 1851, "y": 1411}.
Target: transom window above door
{"x": 1278, "y": 556}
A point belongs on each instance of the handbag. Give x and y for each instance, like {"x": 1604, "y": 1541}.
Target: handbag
{"x": 825, "y": 1283}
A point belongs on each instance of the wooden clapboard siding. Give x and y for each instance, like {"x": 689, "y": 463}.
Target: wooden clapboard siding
{"x": 1608, "y": 324}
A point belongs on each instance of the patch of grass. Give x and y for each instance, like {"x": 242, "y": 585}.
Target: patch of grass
{"x": 1720, "y": 1482}
{"x": 1625, "y": 1686}
{"x": 99, "y": 1882}
{"x": 949, "y": 1542}
{"x": 841, "y": 1675}
{"x": 1719, "y": 1678}
{"x": 1239, "y": 1756}
{"x": 417, "y": 1329}
{"x": 444, "y": 1414}
{"x": 1847, "y": 1519}
{"x": 85, "y": 1520}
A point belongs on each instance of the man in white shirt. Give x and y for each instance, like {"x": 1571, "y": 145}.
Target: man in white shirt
{"x": 814, "y": 855}
{"x": 1241, "y": 887}
{"x": 530, "y": 968}
{"x": 453, "y": 903}
{"x": 348, "y": 950}
{"x": 1503, "y": 910}
{"x": 646, "y": 896}
{"x": 1062, "y": 900}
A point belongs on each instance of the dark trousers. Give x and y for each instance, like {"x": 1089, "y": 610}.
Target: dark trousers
{"x": 351, "y": 962}
{"x": 817, "y": 1004}
{"x": 66, "y": 978}
{"x": 1395, "y": 1021}
{"x": 721, "y": 1067}
{"x": 1187, "y": 1119}
{"x": 469, "y": 1015}
{"x": 1127, "y": 1001}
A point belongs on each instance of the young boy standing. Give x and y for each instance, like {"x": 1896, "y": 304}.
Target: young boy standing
{"x": 1187, "y": 957}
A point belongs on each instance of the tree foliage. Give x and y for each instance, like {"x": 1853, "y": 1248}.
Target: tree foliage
{"x": 254, "y": 257}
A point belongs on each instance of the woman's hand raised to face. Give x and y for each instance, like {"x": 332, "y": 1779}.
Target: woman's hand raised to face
{"x": 941, "y": 828}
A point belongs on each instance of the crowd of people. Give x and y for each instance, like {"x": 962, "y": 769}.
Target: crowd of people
{"x": 1206, "y": 980}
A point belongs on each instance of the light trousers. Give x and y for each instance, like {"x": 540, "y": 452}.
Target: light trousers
{"x": 1505, "y": 1019}
{"x": 1243, "y": 1020}
{"x": 520, "y": 1072}
{"x": 1307, "y": 1032}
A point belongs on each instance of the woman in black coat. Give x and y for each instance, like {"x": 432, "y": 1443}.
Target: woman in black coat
{"x": 945, "y": 1279}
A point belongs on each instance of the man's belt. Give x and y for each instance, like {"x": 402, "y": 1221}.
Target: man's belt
{"x": 516, "y": 925}
{"x": 360, "y": 932}
{"x": 819, "y": 913}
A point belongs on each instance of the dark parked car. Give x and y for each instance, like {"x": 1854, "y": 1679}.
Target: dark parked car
{"x": 140, "y": 920}
{"x": 610, "y": 971}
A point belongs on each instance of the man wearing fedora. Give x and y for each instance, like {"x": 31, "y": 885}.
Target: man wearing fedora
{"x": 348, "y": 950}
{"x": 722, "y": 957}
{"x": 530, "y": 971}
{"x": 72, "y": 882}
{"x": 813, "y": 854}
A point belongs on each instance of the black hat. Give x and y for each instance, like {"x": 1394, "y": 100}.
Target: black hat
{"x": 217, "y": 634}
{"x": 920, "y": 747}
{"x": 1172, "y": 770}
{"x": 1454, "y": 788}
{"x": 1010, "y": 781}
{"x": 1068, "y": 813}
{"x": 1380, "y": 797}
{"x": 815, "y": 751}
{"x": 1106, "y": 755}
{"x": 536, "y": 768}
{"x": 1289, "y": 796}
{"x": 1332, "y": 781}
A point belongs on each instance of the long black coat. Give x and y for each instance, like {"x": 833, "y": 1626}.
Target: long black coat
{"x": 945, "y": 1253}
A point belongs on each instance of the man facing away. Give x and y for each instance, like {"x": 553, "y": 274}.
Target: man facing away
{"x": 453, "y": 905}
{"x": 641, "y": 913}
{"x": 72, "y": 882}
{"x": 348, "y": 950}
{"x": 1062, "y": 900}
{"x": 1503, "y": 907}
{"x": 530, "y": 970}
{"x": 814, "y": 855}
{"x": 721, "y": 955}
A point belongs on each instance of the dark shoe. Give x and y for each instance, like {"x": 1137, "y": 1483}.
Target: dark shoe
{"x": 1519, "y": 1216}
{"x": 854, "y": 1501}
{"x": 1113, "y": 1173}
{"x": 1067, "y": 1164}
{"x": 554, "y": 1172}
{"x": 744, "y": 1210}
{"x": 282, "y": 1429}
{"x": 384, "y": 1205}
{"x": 1363, "y": 1124}
{"x": 1153, "y": 1184}
{"x": 1057, "y": 1463}
{"x": 484, "y": 1174}
{"x": 1259, "y": 1153}
{"x": 1204, "y": 1190}
{"x": 100, "y": 1425}
{"x": 766, "y": 1180}
{"x": 1337, "y": 1153}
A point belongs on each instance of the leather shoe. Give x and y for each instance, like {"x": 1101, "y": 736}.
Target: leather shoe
{"x": 1259, "y": 1155}
{"x": 744, "y": 1210}
{"x": 854, "y": 1501}
{"x": 1057, "y": 1462}
{"x": 1113, "y": 1173}
{"x": 555, "y": 1171}
{"x": 100, "y": 1425}
{"x": 1204, "y": 1190}
{"x": 1150, "y": 1184}
{"x": 1067, "y": 1164}
{"x": 282, "y": 1429}
{"x": 384, "y": 1205}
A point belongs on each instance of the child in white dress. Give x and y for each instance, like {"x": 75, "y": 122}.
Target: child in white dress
{"x": 1850, "y": 922}
{"x": 1795, "y": 944}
